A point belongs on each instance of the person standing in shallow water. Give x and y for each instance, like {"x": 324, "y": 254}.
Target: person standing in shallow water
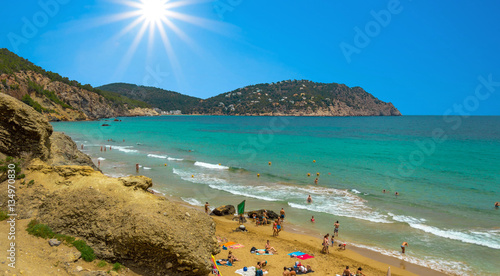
{"x": 403, "y": 247}
{"x": 206, "y": 207}
{"x": 336, "y": 230}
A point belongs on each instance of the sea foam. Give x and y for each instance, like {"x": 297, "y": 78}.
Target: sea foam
{"x": 210, "y": 166}
{"x": 157, "y": 156}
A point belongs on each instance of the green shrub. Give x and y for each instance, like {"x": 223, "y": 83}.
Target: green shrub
{"x": 20, "y": 176}
{"x": 87, "y": 252}
{"x": 29, "y": 101}
{"x": 69, "y": 240}
{"x": 3, "y": 215}
{"x": 31, "y": 183}
{"x": 40, "y": 230}
{"x": 102, "y": 263}
{"x": 117, "y": 266}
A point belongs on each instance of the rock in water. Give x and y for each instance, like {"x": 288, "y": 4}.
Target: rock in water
{"x": 224, "y": 210}
{"x": 23, "y": 129}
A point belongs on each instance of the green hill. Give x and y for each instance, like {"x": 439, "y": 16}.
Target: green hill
{"x": 164, "y": 99}
{"x": 11, "y": 63}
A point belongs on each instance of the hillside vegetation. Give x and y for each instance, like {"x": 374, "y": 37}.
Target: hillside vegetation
{"x": 157, "y": 97}
{"x": 57, "y": 97}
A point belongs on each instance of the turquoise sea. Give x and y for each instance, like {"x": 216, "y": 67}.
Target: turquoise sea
{"x": 446, "y": 170}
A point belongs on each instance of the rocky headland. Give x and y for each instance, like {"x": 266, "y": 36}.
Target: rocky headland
{"x": 118, "y": 217}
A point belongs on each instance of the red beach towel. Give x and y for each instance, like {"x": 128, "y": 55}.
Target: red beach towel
{"x": 305, "y": 257}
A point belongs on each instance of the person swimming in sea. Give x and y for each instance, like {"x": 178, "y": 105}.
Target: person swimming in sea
{"x": 396, "y": 193}
{"x": 497, "y": 204}
{"x": 309, "y": 199}
{"x": 316, "y": 181}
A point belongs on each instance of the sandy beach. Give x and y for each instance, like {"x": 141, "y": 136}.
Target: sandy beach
{"x": 289, "y": 240}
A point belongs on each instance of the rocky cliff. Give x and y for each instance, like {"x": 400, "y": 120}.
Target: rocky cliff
{"x": 117, "y": 217}
{"x": 59, "y": 101}
{"x": 60, "y": 98}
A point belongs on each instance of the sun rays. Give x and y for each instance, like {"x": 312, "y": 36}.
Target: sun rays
{"x": 156, "y": 19}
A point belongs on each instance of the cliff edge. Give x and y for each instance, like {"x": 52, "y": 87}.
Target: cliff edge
{"x": 117, "y": 217}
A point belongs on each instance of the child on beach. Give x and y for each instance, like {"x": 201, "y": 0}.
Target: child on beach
{"x": 312, "y": 219}
{"x": 342, "y": 246}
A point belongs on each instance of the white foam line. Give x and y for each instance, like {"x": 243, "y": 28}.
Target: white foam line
{"x": 157, "y": 156}
{"x": 453, "y": 267}
{"x": 488, "y": 238}
{"x": 210, "y": 166}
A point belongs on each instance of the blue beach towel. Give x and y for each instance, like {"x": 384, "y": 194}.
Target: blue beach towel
{"x": 262, "y": 254}
{"x": 296, "y": 253}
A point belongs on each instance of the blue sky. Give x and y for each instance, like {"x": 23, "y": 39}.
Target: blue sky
{"x": 426, "y": 59}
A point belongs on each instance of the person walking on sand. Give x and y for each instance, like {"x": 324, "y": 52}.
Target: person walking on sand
{"x": 309, "y": 199}
{"x": 206, "y": 207}
{"x": 336, "y": 230}
{"x": 403, "y": 246}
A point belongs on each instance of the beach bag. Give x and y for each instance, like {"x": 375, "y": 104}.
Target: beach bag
{"x": 253, "y": 250}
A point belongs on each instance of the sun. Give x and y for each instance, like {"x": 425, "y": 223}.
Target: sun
{"x": 152, "y": 19}
{"x": 153, "y": 11}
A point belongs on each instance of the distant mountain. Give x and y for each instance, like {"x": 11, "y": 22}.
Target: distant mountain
{"x": 298, "y": 98}
{"x": 157, "y": 97}
{"x": 59, "y": 98}
{"x": 290, "y": 97}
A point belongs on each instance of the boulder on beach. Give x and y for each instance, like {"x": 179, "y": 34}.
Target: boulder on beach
{"x": 224, "y": 210}
{"x": 270, "y": 213}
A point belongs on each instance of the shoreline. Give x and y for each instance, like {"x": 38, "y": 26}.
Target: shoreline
{"x": 375, "y": 258}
